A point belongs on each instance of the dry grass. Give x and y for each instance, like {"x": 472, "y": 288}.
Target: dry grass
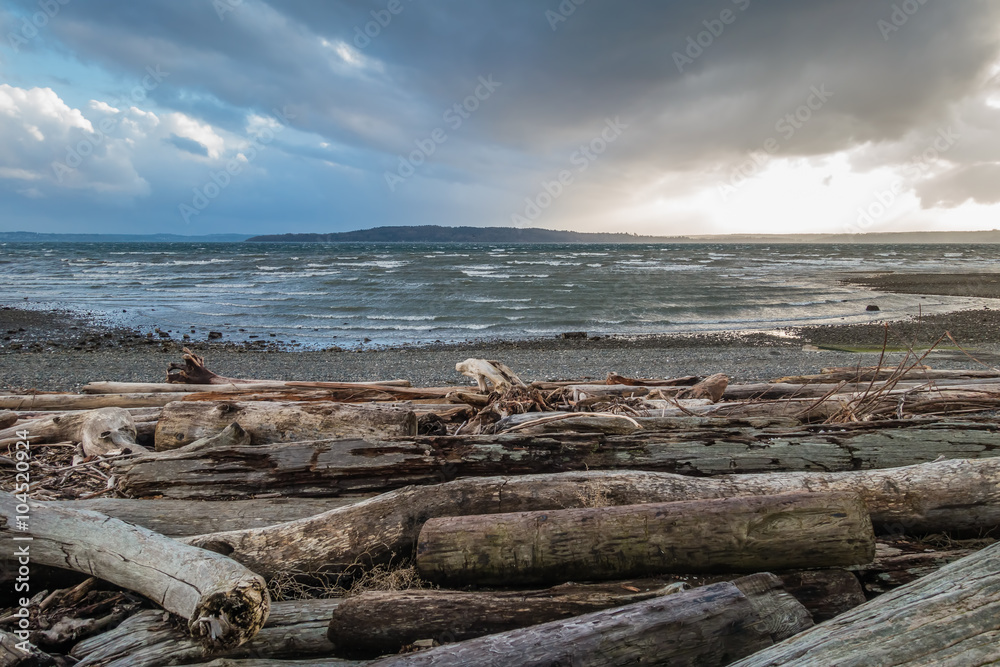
{"x": 396, "y": 575}
{"x": 594, "y": 493}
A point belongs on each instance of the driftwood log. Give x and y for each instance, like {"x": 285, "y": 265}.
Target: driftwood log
{"x": 382, "y": 622}
{"x": 712, "y": 625}
{"x": 293, "y": 629}
{"x": 224, "y": 603}
{"x": 98, "y": 431}
{"x": 333, "y": 467}
{"x": 262, "y": 385}
{"x": 63, "y": 402}
{"x": 487, "y": 373}
{"x": 181, "y": 518}
{"x": 182, "y": 423}
{"x": 930, "y": 498}
{"x": 743, "y": 535}
{"x": 7, "y": 419}
{"x": 951, "y": 617}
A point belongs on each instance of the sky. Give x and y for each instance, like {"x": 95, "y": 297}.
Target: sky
{"x": 651, "y": 117}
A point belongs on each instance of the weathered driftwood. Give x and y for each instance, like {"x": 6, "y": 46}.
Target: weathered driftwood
{"x": 108, "y": 430}
{"x": 848, "y": 374}
{"x": 13, "y": 653}
{"x": 614, "y": 378}
{"x": 86, "y": 401}
{"x": 224, "y": 603}
{"x": 563, "y": 422}
{"x": 262, "y": 385}
{"x": 99, "y": 431}
{"x": 383, "y": 622}
{"x": 487, "y": 373}
{"x": 181, "y": 518}
{"x": 893, "y": 567}
{"x": 951, "y": 617}
{"x": 930, "y": 498}
{"x": 750, "y": 534}
{"x": 712, "y": 625}
{"x": 182, "y": 423}
{"x": 293, "y": 629}
{"x": 7, "y": 418}
{"x": 713, "y": 387}
{"x": 333, "y": 467}
{"x": 582, "y": 392}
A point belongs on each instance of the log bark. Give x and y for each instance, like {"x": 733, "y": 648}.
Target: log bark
{"x": 224, "y": 603}
{"x": 744, "y": 535}
{"x": 946, "y": 618}
{"x": 930, "y": 498}
{"x": 182, "y": 518}
{"x": 713, "y": 625}
{"x": 87, "y": 401}
{"x": 7, "y": 419}
{"x": 383, "y": 622}
{"x": 334, "y": 467}
{"x": 293, "y": 629}
{"x": 182, "y": 423}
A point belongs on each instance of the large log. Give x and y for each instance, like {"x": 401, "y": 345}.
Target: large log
{"x": 263, "y": 385}
{"x": 900, "y": 562}
{"x": 181, "y": 518}
{"x": 745, "y": 535}
{"x": 930, "y": 498}
{"x": 182, "y": 423}
{"x": 383, "y": 622}
{"x": 87, "y": 401}
{"x": 224, "y": 603}
{"x": 951, "y": 617}
{"x": 328, "y": 468}
{"x": 293, "y": 629}
{"x": 712, "y": 625}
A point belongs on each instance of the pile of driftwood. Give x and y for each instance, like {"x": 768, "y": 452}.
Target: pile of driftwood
{"x": 838, "y": 518}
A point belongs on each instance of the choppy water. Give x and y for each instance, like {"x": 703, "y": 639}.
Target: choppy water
{"x": 339, "y": 294}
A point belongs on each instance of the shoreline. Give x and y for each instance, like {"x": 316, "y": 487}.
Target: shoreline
{"x": 61, "y": 351}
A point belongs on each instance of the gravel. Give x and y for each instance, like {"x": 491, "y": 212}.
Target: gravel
{"x": 57, "y": 351}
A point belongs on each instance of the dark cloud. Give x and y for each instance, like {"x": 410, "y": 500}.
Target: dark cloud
{"x": 185, "y": 144}
{"x": 692, "y": 110}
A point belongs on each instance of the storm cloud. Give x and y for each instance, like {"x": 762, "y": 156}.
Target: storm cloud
{"x": 734, "y": 115}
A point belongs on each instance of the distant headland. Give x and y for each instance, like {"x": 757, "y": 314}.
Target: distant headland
{"x": 440, "y": 234}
